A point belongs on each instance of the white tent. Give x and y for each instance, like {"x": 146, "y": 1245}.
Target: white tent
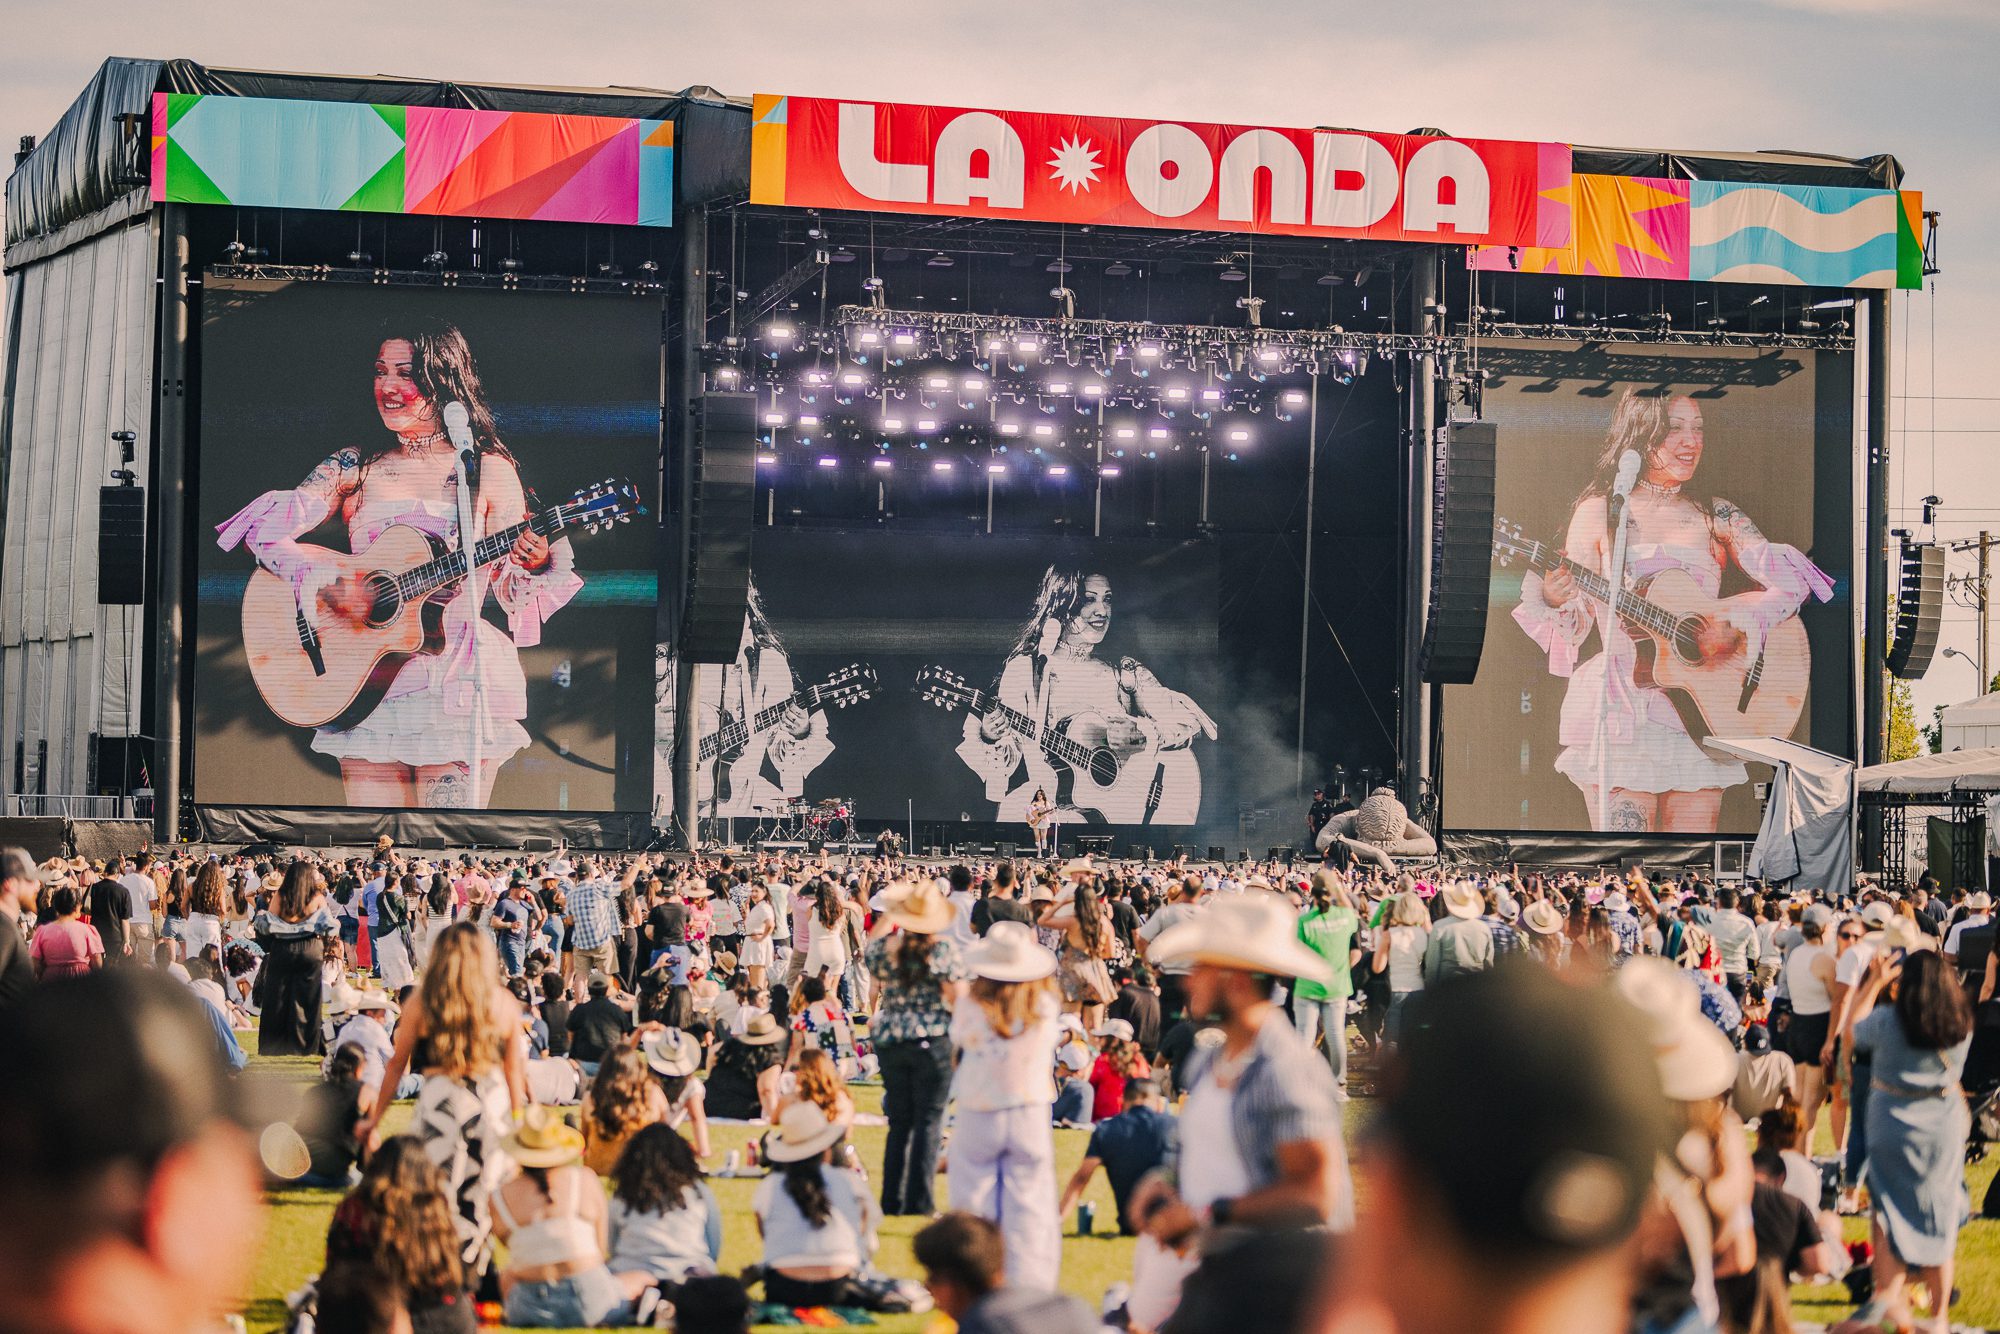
{"x": 1807, "y": 834}
{"x": 1935, "y": 775}
{"x": 1973, "y": 725}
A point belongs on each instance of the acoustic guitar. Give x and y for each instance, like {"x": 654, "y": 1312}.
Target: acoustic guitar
{"x": 1728, "y": 694}
{"x": 735, "y": 747}
{"x": 1104, "y": 781}
{"x": 334, "y": 675}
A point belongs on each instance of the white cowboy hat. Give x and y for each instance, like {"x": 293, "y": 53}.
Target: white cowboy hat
{"x": 1978, "y": 901}
{"x": 1902, "y": 934}
{"x": 1695, "y": 1061}
{"x": 1113, "y": 1028}
{"x": 671, "y": 1052}
{"x": 1876, "y": 915}
{"x": 371, "y": 1000}
{"x": 803, "y": 1131}
{"x": 1077, "y": 867}
{"x": 921, "y": 909}
{"x": 1463, "y": 899}
{"x": 761, "y": 1031}
{"x": 697, "y": 890}
{"x": 1256, "y": 882}
{"x": 1542, "y": 918}
{"x": 1009, "y": 952}
{"x": 1615, "y": 901}
{"x": 543, "y": 1139}
{"x": 1253, "y": 933}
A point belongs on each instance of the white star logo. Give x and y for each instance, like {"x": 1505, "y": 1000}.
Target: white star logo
{"x": 1075, "y": 165}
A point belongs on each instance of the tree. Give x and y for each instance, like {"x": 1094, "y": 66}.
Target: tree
{"x": 1905, "y": 742}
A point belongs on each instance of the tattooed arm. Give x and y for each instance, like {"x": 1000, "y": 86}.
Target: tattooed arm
{"x": 271, "y": 525}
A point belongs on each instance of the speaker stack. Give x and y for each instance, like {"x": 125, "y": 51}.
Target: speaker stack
{"x": 1461, "y": 555}
{"x": 121, "y": 546}
{"x": 722, "y": 463}
{"x": 1919, "y": 606}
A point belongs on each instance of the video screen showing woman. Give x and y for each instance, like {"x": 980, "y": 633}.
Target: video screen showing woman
{"x": 435, "y": 687}
{"x": 1099, "y": 735}
{"x": 1677, "y": 661}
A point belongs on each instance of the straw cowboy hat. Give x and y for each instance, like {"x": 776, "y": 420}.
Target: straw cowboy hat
{"x": 671, "y": 1052}
{"x": 921, "y": 909}
{"x": 1251, "y": 932}
{"x": 1463, "y": 899}
{"x": 761, "y": 1031}
{"x": 1009, "y": 952}
{"x": 1694, "y": 1058}
{"x": 272, "y": 881}
{"x": 1076, "y": 868}
{"x": 543, "y": 1139}
{"x": 803, "y": 1131}
{"x": 1542, "y": 918}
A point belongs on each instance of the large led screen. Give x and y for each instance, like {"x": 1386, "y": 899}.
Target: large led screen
{"x": 954, "y": 678}
{"x": 341, "y": 660}
{"x": 1734, "y": 616}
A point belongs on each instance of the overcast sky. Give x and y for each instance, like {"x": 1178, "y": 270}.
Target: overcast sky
{"x": 1916, "y": 78}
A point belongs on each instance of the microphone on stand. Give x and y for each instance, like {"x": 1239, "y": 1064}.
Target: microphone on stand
{"x": 458, "y": 425}
{"x": 1628, "y": 462}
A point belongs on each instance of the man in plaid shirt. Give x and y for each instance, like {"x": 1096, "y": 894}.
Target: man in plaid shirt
{"x": 593, "y": 919}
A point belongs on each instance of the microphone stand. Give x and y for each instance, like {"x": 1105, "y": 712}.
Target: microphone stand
{"x": 475, "y": 589}
{"x": 1615, "y": 577}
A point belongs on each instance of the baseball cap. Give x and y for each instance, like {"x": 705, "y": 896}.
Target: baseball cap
{"x": 1572, "y": 1119}
{"x": 600, "y": 983}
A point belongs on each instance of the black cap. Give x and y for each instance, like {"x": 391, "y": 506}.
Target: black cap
{"x": 1757, "y": 1039}
{"x": 1532, "y": 1106}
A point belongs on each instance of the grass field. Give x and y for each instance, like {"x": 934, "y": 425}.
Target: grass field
{"x": 294, "y": 1242}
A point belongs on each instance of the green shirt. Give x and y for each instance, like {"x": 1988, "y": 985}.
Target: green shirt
{"x": 1330, "y": 935}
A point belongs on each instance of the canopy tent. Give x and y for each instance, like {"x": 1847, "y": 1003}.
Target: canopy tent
{"x": 1807, "y": 834}
{"x": 1973, "y": 724}
{"x": 1954, "y": 772}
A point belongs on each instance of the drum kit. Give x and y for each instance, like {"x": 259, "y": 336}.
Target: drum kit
{"x": 810, "y": 822}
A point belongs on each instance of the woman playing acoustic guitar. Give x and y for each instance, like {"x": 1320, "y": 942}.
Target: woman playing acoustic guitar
{"x": 1660, "y": 780}
{"x": 415, "y": 748}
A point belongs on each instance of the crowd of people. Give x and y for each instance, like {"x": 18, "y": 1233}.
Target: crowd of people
{"x": 1596, "y": 1099}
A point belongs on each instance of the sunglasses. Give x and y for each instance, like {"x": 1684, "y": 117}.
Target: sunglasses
{"x": 1850, "y": 935}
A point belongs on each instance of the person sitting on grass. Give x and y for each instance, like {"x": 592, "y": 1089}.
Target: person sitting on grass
{"x": 666, "y": 1225}
{"x": 712, "y": 1305}
{"x": 1127, "y": 1146}
{"x": 674, "y": 1057}
{"x": 622, "y": 1101}
{"x": 398, "y": 1222}
{"x": 817, "y": 1220}
{"x": 743, "y": 1086}
{"x": 554, "y": 1220}
{"x": 333, "y": 1108}
{"x": 964, "y": 1262}
{"x": 816, "y": 1079}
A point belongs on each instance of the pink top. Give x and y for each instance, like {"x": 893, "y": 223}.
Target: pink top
{"x": 65, "y": 948}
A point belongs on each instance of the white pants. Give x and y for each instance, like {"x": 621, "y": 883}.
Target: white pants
{"x": 1003, "y": 1168}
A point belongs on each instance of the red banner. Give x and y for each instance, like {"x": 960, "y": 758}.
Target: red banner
{"x": 885, "y": 157}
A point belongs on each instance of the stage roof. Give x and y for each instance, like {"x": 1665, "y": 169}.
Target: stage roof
{"x": 1935, "y": 775}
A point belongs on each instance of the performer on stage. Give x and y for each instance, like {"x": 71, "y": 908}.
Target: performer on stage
{"x": 416, "y": 747}
{"x": 1041, "y": 819}
{"x": 1659, "y": 778}
{"x": 769, "y": 770}
{"x": 1054, "y": 679}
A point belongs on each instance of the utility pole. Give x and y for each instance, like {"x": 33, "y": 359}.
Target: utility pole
{"x": 1985, "y": 544}
{"x": 1980, "y": 586}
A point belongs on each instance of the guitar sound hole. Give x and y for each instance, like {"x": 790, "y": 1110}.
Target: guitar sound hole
{"x": 1103, "y": 768}
{"x": 383, "y": 599}
{"x": 1687, "y": 640}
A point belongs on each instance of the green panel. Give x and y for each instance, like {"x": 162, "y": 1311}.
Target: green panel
{"x": 393, "y": 117}
{"x": 384, "y": 191}
{"x": 188, "y": 183}
{"x": 179, "y": 104}
{"x": 1909, "y": 252}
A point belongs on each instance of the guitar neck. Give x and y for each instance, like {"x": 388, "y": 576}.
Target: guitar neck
{"x": 1629, "y": 606}
{"x": 422, "y": 580}
{"x": 761, "y": 721}
{"x": 1052, "y": 743}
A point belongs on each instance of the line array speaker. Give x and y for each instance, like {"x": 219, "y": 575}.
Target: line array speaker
{"x": 1919, "y": 606}
{"x": 1461, "y": 554}
{"x": 722, "y": 463}
{"x": 121, "y": 546}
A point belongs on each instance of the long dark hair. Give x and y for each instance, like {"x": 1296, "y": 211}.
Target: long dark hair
{"x": 1059, "y": 598}
{"x": 1640, "y": 422}
{"x": 1089, "y": 919}
{"x": 829, "y": 904}
{"x": 1930, "y": 1003}
{"x": 439, "y": 901}
{"x": 402, "y": 1195}
{"x": 295, "y": 895}
{"x": 442, "y": 367}
{"x": 177, "y": 894}
{"x": 807, "y": 1188}
{"x": 655, "y": 1171}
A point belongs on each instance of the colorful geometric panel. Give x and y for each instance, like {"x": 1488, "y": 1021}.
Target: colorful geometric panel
{"x": 1620, "y": 227}
{"x": 1811, "y": 236}
{"x": 359, "y": 157}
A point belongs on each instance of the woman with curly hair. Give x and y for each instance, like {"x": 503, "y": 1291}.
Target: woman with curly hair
{"x": 399, "y": 1219}
{"x": 1088, "y": 942}
{"x": 623, "y": 1100}
{"x": 208, "y": 903}
{"x": 462, "y": 1031}
{"x": 294, "y": 934}
{"x": 816, "y": 1079}
{"x": 666, "y": 1224}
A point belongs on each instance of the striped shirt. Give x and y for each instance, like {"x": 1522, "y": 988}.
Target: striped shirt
{"x": 593, "y": 914}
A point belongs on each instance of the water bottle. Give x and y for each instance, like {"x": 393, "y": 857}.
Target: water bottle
{"x": 1086, "y": 1218}
{"x": 729, "y": 1163}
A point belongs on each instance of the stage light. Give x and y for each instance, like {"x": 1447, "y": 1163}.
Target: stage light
{"x": 942, "y": 465}
{"x": 361, "y": 259}
{"x": 1058, "y": 470}
{"x": 727, "y": 375}
{"x": 882, "y": 464}
{"x": 867, "y": 338}
{"x": 436, "y": 260}
{"x": 808, "y": 422}
{"x": 1152, "y": 454}
{"x": 1093, "y": 390}
{"x": 1059, "y": 386}
{"x": 1009, "y": 428}
{"x": 1125, "y": 433}
{"x": 1211, "y": 395}
{"x": 779, "y": 333}
{"x": 1157, "y": 433}
{"x": 1230, "y": 457}
{"x": 1117, "y": 268}
{"x": 905, "y": 338}
{"x": 1177, "y": 394}
{"x": 1043, "y": 430}
{"x": 1270, "y": 356}
{"x": 1148, "y": 349}
{"x": 1330, "y": 280}
{"x": 853, "y": 378}
{"x": 842, "y": 255}
{"x": 995, "y": 469}
{"x": 974, "y": 385}
{"x": 927, "y": 424}
{"x": 1027, "y": 343}
{"x": 767, "y": 459}
{"x": 996, "y": 345}
{"x": 1238, "y": 435}
{"x": 1057, "y": 266}
{"x": 892, "y": 423}
{"x": 1109, "y": 470}
{"x": 774, "y": 419}
{"x": 939, "y": 261}
{"x": 828, "y": 461}
{"x": 937, "y": 382}
{"x": 816, "y": 377}
{"x": 1294, "y": 398}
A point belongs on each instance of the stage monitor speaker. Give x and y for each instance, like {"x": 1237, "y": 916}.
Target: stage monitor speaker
{"x": 1461, "y": 554}
{"x": 722, "y": 501}
{"x": 538, "y": 845}
{"x": 1919, "y": 605}
{"x": 1217, "y": 853}
{"x": 121, "y": 546}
